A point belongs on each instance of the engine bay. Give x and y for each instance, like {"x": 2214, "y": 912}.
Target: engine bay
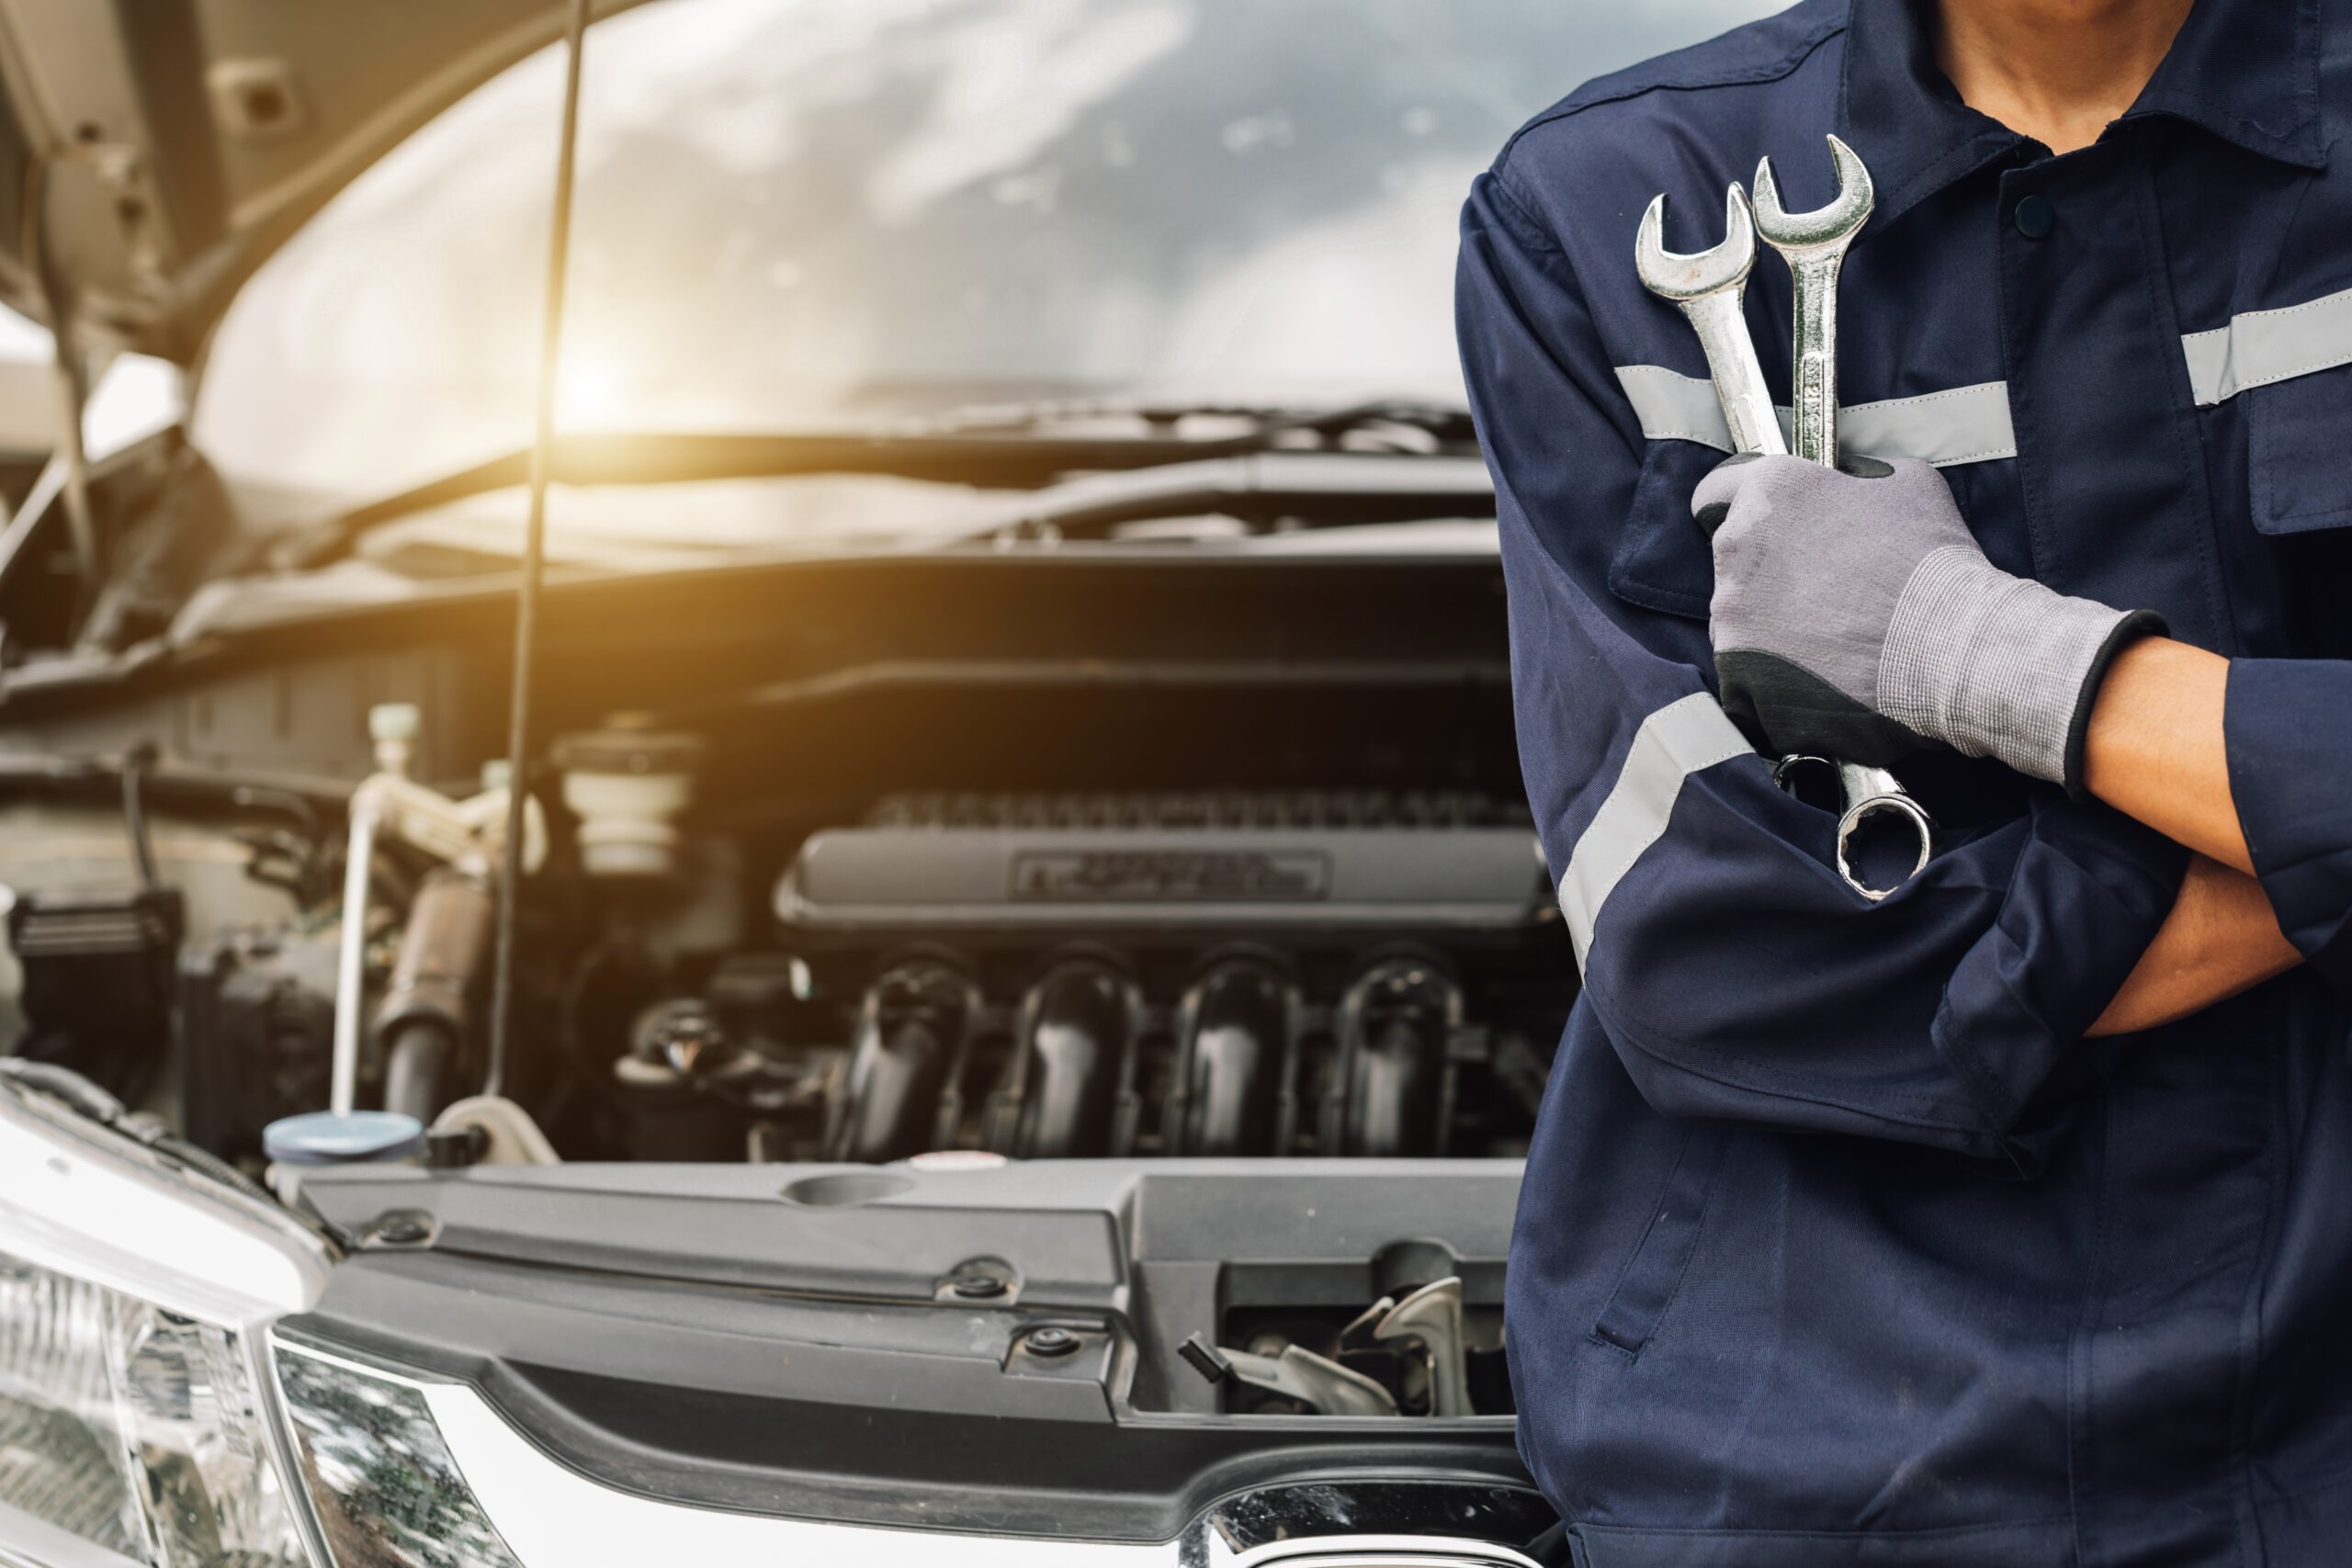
{"x": 1228, "y": 861}
{"x": 961, "y": 864}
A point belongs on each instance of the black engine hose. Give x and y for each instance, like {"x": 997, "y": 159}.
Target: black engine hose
{"x": 417, "y": 1060}
{"x": 423, "y": 1022}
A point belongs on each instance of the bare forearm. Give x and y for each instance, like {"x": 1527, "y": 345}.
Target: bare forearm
{"x": 2219, "y": 939}
{"x": 2154, "y": 749}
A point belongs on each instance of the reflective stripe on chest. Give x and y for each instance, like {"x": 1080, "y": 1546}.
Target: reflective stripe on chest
{"x": 1971, "y": 424}
{"x": 1966, "y": 424}
{"x": 2260, "y": 347}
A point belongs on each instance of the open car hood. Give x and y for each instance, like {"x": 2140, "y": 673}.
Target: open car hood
{"x": 153, "y": 152}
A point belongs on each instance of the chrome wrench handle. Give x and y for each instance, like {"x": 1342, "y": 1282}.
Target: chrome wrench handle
{"x": 1814, "y": 369}
{"x": 1709, "y": 288}
{"x": 1814, "y": 244}
{"x": 1720, "y": 322}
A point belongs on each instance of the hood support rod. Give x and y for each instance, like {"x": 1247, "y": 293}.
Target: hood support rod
{"x": 72, "y": 384}
{"x": 527, "y": 596}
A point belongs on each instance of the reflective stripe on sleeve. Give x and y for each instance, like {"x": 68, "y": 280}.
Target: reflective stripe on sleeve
{"x": 1966, "y": 424}
{"x": 1676, "y": 742}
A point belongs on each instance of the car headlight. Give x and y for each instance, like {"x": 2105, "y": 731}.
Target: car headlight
{"x": 138, "y": 1417}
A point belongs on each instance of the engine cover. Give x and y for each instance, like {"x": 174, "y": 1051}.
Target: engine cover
{"x": 1336, "y": 973}
{"x": 940, "y": 879}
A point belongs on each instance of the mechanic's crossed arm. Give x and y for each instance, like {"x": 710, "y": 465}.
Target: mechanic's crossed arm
{"x": 1734, "y": 971}
{"x": 1859, "y": 607}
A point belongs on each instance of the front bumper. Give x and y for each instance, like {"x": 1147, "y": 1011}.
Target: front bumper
{"x": 406, "y": 1470}
{"x": 674, "y": 1364}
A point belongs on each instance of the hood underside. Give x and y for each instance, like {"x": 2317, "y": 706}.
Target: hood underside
{"x": 153, "y": 152}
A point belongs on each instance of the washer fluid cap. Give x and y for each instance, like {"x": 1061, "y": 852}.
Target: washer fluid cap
{"x": 357, "y": 1137}
{"x": 394, "y": 721}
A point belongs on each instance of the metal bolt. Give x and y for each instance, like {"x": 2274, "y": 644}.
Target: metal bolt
{"x": 453, "y": 1148}
{"x": 404, "y": 1228}
{"x": 1050, "y": 1341}
{"x": 978, "y": 1287}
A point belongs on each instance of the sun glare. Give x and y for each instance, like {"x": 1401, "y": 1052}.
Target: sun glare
{"x": 586, "y": 393}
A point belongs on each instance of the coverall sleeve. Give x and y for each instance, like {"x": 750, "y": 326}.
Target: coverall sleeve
{"x": 2288, "y": 728}
{"x": 1733, "y": 969}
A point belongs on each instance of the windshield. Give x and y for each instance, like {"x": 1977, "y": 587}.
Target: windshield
{"x": 805, "y": 211}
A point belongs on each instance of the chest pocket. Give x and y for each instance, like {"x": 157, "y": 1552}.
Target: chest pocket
{"x": 1662, "y": 561}
{"x": 2298, "y": 452}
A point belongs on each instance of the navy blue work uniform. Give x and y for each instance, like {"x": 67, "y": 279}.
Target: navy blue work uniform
{"x": 1840, "y": 1243}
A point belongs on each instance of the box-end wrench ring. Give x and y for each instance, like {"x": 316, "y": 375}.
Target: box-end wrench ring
{"x": 1708, "y": 288}
{"x": 1813, "y": 245}
{"x": 1863, "y": 793}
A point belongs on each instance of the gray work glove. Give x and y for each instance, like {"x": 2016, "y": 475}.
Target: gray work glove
{"x": 1855, "y": 616}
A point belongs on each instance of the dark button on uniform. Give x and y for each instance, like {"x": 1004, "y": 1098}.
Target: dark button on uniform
{"x": 2035, "y": 217}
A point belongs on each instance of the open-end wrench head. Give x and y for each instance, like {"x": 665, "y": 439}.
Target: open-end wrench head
{"x": 1674, "y": 275}
{"x": 1824, "y": 226}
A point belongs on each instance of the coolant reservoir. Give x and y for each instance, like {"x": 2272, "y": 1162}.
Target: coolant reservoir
{"x": 628, "y": 788}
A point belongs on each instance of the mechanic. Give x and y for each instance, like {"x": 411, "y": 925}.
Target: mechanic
{"x": 2008, "y": 1220}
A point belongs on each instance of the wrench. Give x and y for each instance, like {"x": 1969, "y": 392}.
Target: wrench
{"x": 1813, "y": 245}
{"x": 1708, "y": 287}
{"x": 1865, "y": 793}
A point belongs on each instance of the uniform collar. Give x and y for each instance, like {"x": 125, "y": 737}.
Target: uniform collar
{"x": 2247, "y": 71}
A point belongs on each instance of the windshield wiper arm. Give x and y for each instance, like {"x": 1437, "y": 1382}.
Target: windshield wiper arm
{"x": 1273, "y": 424}
{"x": 1323, "y": 489}
{"x": 995, "y": 449}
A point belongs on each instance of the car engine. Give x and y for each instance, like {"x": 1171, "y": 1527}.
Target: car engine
{"x": 1105, "y": 906}
{"x": 1031, "y": 975}
{"x": 1053, "y": 976}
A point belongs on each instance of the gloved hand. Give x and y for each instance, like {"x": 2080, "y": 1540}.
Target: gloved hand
{"x": 1855, "y": 616}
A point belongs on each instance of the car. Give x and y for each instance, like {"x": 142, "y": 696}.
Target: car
{"x": 1031, "y": 976}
